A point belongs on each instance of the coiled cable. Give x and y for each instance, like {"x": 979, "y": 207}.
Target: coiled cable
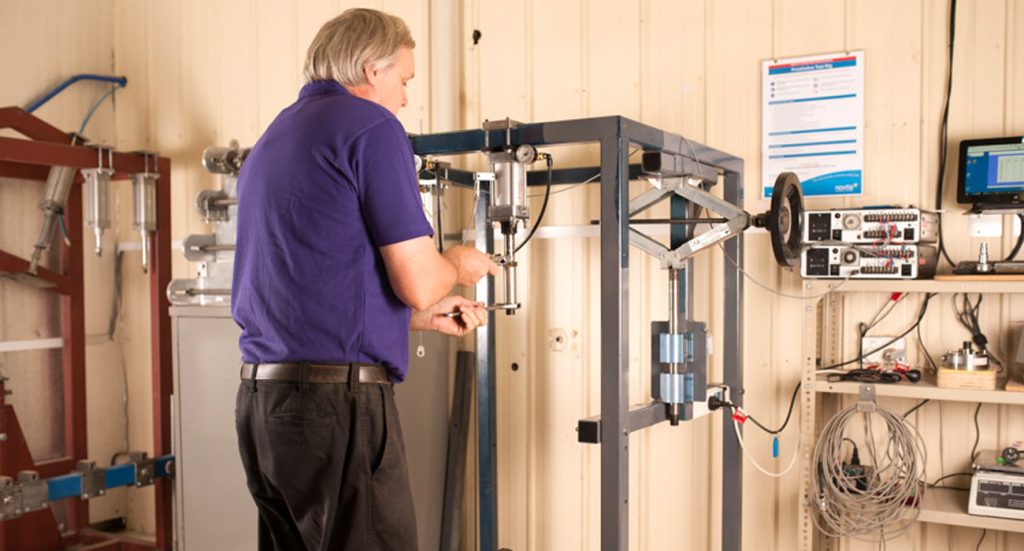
{"x": 875, "y": 501}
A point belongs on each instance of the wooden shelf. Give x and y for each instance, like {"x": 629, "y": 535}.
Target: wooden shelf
{"x": 943, "y": 506}
{"x": 813, "y": 287}
{"x": 924, "y": 390}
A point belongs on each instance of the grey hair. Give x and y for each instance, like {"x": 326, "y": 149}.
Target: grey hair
{"x": 347, "y": 43}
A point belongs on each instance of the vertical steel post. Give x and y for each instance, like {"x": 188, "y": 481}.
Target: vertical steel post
{"x": 732, "y": 365}
{"x": 614, "y": 343}
{"x": 679, "y": 234}
{"x": 487, "y": 428}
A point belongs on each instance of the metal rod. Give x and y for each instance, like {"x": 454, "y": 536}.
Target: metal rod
{"x": 509, "y": 269}
{"x": 673, "y": 329}
{"x": 215, "y": 248}
{"x": 679, "y": 221}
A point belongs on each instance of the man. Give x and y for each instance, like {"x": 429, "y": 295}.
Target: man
{"x": 334, "y": 264}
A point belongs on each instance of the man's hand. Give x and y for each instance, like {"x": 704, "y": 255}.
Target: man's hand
{"x": 471, "y": 264}
{"x": 471, "y": 315}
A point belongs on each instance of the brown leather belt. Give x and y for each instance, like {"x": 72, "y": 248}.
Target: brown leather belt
{"x": 317, "y": 373}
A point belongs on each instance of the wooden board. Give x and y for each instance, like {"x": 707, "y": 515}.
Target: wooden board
{"x": 980, "y": 277}
{"x": 1014, "y": 385}
{"x": 973, "y": 380}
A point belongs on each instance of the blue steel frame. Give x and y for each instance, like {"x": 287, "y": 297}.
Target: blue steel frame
{"x": 70, "y": 485}
{"x": 615, "y": 135}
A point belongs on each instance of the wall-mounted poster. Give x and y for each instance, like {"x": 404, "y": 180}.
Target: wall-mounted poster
{"x": 812, "y": 123}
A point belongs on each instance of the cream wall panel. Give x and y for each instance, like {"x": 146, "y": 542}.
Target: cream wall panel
{"x": 498, "y": 65}
{"x": 46, "y": 42}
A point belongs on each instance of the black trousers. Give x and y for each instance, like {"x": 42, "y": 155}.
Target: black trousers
{"x": 326, "y": 466}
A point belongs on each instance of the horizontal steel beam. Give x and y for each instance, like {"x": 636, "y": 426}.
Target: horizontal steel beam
{"x": 560, "y": 176}
{"x": 578, "y": 131}
{"x": 14, "y": 150}
{"x": 12, "y": 266}
{"x": 589, "y": 430}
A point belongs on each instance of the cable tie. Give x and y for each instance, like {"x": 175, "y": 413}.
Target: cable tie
{"x": 739, "y": 415}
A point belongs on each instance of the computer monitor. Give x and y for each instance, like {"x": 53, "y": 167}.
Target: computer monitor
{"x": 991, "y": 173}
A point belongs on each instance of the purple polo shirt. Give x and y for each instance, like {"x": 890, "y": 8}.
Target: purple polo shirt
{"x": 330, "y": 181}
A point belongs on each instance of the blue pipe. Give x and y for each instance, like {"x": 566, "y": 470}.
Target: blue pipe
{"x": 122, "y": 81}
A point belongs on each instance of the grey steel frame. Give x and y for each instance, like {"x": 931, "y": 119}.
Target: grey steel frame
{"x": 614, "y": 135}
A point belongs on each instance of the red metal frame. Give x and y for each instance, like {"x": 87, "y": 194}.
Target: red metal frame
{"x": 30, "y": 159}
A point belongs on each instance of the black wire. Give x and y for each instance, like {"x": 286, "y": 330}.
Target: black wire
{"x": 943, "y": 131}
{"x": 887, "y": 307}
{"x": 1020, "y": 241}
{"x": 977, "y": 433}
{"x": 543, "y": 207}
{"x": 789, "y": 414}
{"x": 927, "y": 354}
{"x": 984, "y": 532}
{"x": 968, "y": 317}
{"x": 915, "y": 408}
{"x": 924, "y": 308}
{"x": 935, "y": 484}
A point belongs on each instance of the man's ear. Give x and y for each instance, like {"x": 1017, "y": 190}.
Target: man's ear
{"x": 369, "y": 73}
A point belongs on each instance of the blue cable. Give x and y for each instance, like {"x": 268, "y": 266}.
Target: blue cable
{"x": 122, "y": 81}
{"x": 95, "y": 106}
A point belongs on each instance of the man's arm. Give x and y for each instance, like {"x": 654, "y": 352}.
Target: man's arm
{"x": 420, "y": 276}
{"x": 471, "y": 315}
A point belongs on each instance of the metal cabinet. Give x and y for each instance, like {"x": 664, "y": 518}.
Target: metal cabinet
{"x": 212, "y": 506}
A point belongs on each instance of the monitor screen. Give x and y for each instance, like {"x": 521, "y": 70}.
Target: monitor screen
{"x": 991, "y": 171}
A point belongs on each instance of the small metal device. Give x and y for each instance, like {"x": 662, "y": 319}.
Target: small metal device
{"x": 997, "y": 494}
{"x": 213, "y": 253}
{"x": 97, "y": 196}
{"x": 965, "y": 359}
{"x": 144, "y": 205}
{"x": 867, "y": 262}
{"x": 489, "y": 308}
{"x": 983, "y": 266}
{"x": 225, "y": 160}
{"x": 874, "y": 225}
{"x": 508, "y": 207}
{"x": 93, "y": 479}
{"x": 55, "y": 196}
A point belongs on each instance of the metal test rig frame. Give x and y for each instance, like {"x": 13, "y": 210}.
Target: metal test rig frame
{"x": 672, "y": 158}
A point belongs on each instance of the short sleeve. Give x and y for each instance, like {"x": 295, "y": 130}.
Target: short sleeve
{"x": 387, "y": 186}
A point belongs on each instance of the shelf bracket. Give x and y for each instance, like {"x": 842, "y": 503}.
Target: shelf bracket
{"x": 867, "y": 403}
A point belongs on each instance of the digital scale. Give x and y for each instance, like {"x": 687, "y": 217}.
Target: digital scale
{"x": 997, "y": 490}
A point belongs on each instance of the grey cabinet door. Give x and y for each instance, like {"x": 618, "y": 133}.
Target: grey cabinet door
{"x": 213, "y": 506}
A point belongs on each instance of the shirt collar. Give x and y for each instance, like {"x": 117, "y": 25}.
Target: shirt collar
{"x": 322, "y": 87}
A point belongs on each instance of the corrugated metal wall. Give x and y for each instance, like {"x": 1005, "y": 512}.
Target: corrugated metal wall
{"x": 204, "y": 72}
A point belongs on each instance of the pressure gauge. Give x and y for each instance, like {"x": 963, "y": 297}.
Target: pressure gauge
{"x": 526, "y": 154}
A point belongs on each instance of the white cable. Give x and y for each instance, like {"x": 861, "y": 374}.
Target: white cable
{"x": 780, "y": 293}
{"x": 879, "y": 502}
{"x": 792, "y": 460}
